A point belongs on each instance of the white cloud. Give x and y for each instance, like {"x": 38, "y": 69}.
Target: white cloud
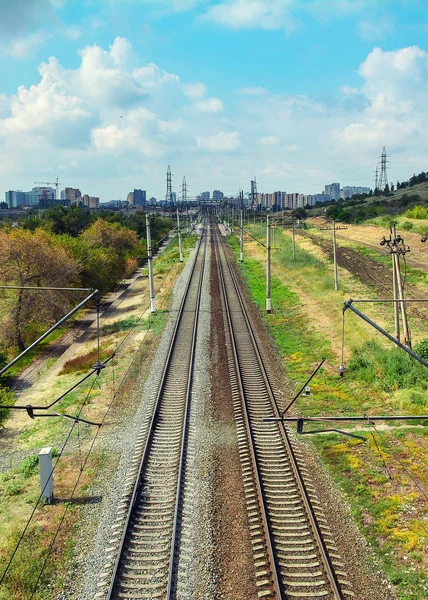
{"x": 72, "y": 32}
{"x": 209, "y": 105}
{"x": 22, "y": 47}
{"x": 379, "y": 29}
{"x": 194, "y": 91}
{"x": 253, "y": 91}
{"x": 252, "y": 14}
{"x": 221, "y": 142}
{"x": 269, "y": 140}
{"x": 397, "y": 98}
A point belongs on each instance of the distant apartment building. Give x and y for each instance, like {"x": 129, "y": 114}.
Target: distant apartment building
{"x": 349, "y": 191}
{"x": 266, "y": 200}
{"x": 71, "y": 195}
{"x": 174, "y": 197}
{"x": 332, "y": 190}
{"x": 205, "y": 196}
{"x": 291, "y": 201}
{"x": 17, "y": 198}
{"x": 152, "y": 200}
{"x": 217, "y": 195}
{"x": 91, "y": 202}
{"x": 43, "y": 197}
{"x": 139, "y": 198}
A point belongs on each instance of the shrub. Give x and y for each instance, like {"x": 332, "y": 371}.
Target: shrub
{"x": 28, "y": 466}
{"x": 390, "y": 369}
{"x": 422, "y": 349}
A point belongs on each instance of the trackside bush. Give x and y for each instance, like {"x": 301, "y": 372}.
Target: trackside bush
{"x": 389, "y": 369}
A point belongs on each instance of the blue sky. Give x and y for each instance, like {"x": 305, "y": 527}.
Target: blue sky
{"x": 105, "y": 94}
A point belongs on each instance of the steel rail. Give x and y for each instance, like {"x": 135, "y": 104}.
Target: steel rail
{"x": 289, "y": 449}
{"x": 256, "y": 467}
{"x": 155, "y": 414}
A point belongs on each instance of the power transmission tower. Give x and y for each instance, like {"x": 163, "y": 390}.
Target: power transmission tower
{"x": 184, "y": 190}
{"x": 168, "y": 195}
{"x": 383, "y": 177}
{"x": 254, "y": 194}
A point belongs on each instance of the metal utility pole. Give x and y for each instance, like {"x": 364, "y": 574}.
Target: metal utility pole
{"x": 294, "y": 240}
{"x": 150, "y": 261}
{"x": 268, "y": 300}
{"x": 180, "y": 243}
{"x": 395, "y": 293}
{"x": 241, "y": 234}
{"x": 376, "y": 178}
{"x": 334, "y": 228}
{"x": 336, "y": 275}
{"x": 397, "y": 247}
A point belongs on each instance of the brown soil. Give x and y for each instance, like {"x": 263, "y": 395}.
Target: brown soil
{"x": 234, "y": 554}
{"x": 370, "y": 236}
{"x": 369, "y": 272}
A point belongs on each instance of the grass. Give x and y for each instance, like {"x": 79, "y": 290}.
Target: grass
{"x": 85, "y": 361}
{"x": 376, "y": 475}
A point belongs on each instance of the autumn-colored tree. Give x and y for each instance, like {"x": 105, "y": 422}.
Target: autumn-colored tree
{"x": 38, "y": 260}
{"x": 112, "y": 238}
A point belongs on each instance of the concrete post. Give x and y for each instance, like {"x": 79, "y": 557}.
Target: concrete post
{"x": 180, "y": 243}
{"x": 268, "y": 301}
{"x": 46, "y": 476}
{"x": 150, "y": 261}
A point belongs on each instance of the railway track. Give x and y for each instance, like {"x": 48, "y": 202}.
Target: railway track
{"x": 294, "y": 552}
{"x": 149, "y": 534}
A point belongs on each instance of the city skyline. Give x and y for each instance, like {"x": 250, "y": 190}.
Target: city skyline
{"x": 294, "y": 93}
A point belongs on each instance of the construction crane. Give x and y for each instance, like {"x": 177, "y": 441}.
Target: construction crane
{"x": 56, "y": 183}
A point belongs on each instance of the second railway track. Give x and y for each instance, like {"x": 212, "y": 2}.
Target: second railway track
{"x": 146, "y": 560}
{"x": 294, "y": 552}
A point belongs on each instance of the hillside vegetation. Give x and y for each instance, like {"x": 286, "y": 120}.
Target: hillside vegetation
{"x": 409, "y": 198}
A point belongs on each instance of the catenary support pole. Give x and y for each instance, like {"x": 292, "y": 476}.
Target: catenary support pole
{"x": 406, "y": 329}
{"x": 268, "y": 300}
{"x": 336, "y": 275}
{"x": 294, "y": 240}
{"x": 241, "y": 236}
{"x": 150, "y": 261}
{"x": 180, "y": 242}
{"x": 395, "y": 293}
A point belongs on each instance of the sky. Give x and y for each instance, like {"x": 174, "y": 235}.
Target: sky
{"x": 105, "y": 94}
